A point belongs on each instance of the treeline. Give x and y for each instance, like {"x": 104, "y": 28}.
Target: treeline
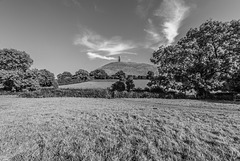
{"x": 79, "y": 76}
{"x": 16, "y": 75}
{"x": 82, "y": 75}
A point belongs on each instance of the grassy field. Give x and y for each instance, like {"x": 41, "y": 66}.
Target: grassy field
{"x": 70, "y": 129}
{"x": 104, "y": 84}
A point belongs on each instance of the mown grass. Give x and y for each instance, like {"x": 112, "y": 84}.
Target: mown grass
{"x": 117, "y": 129}
{"x": 104, "y": 84}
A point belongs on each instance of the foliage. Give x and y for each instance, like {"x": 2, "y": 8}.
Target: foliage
{"x": 99, "y": 74}
{"x": 46, "y": 78}
{"x": 88, "y": 93}
{"x": 64, "y": 78}
{"x": 11, "y": 59}
{"x": 233, "y": 83}
{"x": 82, "y": 74}
{"x": 203, "y": 60}
{"x": 150, "y": 74}
{"x": 129, "y": 83}
{"x": 18, "y": 80}
{"x": 51, "y": 92}
{"x": 119, "y": 86}
{"x": 120, "y": 75}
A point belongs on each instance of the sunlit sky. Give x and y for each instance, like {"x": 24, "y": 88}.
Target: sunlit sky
{"x": 67, "y": 35}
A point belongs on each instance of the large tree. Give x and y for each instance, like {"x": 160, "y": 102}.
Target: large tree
{"x": 11, "y": 59}
{"x": 204, "y": 59}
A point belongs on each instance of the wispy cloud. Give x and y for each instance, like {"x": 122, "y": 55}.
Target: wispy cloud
{"x": 96, "y": 46}
{"x": 95, "y": 55}
{"x": 168, "y": 19}
{"x": 154, "y": 36}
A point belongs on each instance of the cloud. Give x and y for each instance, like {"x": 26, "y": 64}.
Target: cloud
{"x": 174, "y": 12}
{"x": 154, "y": 35}
{"x": 95, "y": 55}
{"x": 168, "y": 19}
{"x": 96, "y": 46}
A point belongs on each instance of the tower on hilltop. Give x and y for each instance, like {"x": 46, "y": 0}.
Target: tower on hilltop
{"x": 119, "y": 59}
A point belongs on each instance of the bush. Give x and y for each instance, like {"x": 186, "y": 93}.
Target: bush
{"x": 129, "y": 83}
{"x": 118, "y": 86}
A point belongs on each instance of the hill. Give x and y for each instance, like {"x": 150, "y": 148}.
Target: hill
{"x": 130, "y": 68}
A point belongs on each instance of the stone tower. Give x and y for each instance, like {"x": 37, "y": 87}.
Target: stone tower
{"x": 119, "y": 59}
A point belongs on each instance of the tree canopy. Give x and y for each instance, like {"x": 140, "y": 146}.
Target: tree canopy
{"x": 82, "y": 74}
{"x": 204, "y": 60}
{"x": 17, "y": 80}
{"x": 45, "y": 77}
{"x": 11, "y": 59}
{"x": 99, "y": 74}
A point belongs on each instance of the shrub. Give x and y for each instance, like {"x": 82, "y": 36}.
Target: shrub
{"x": 120, "y": 75}
{"x": 118, "y": 86}
{"x": 129, "y": 83}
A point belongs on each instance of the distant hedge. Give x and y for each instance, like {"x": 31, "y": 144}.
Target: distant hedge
{"x": 90, "y": 93}
{"x": 51, "y": 92}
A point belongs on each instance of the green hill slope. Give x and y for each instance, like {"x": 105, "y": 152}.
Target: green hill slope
{"x": 130, "y": 68}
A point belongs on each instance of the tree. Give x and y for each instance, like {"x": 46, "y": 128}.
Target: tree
{"x": 14, "y": 71}
{"x": 129, "y": 83}
{"x": 17, "y": 80}
{"x": 118, "y": 86}
{"x": 204, "y": 59}
{"x": 46, "y": 78}
{"x": 99, "y": 74}
{"x": 11, "y": 59}
{"x": 64, "y": 77}
{"x": 120, "y": 75}
{"x": 82, "y": 74}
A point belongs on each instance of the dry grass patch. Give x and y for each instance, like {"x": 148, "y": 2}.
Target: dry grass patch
{"x": 117, "y": 129}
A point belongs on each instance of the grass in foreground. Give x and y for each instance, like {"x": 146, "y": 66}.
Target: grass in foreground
{"x": 118, "y": 129}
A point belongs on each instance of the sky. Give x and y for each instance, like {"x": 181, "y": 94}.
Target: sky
{"x": 67, "y": 35}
